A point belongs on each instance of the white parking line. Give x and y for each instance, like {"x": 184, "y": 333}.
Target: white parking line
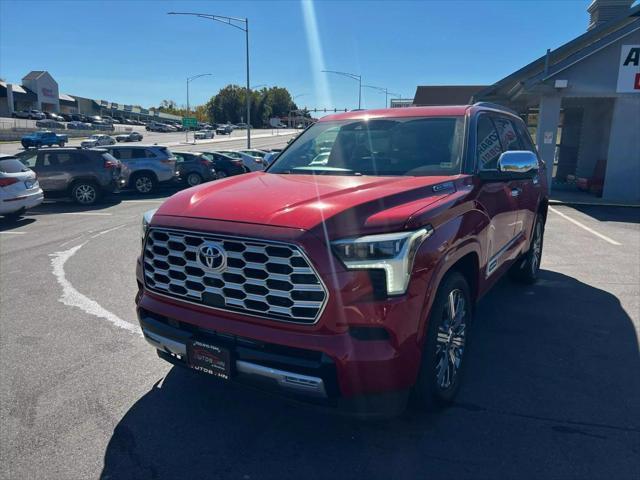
{"x": 100, "y": 214}
{"x": 583, "y": 226}
{"x": 13, "y": 233}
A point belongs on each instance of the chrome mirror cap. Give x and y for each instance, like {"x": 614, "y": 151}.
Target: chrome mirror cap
{"x": 518, "y": 161}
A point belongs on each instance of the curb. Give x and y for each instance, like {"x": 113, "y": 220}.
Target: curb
{"x": 593, "y": 204}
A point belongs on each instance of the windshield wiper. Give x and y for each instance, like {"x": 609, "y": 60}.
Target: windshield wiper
{"x": 319, "y": 170}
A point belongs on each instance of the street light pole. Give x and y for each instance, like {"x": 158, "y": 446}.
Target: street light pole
{"x": 240, "y": 24}
{"x": 384, "y": 90}
{"x": 352, "y": 76}
{"x": 190, "y": 79}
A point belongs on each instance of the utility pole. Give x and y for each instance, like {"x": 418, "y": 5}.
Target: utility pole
{"x": 352, "y": 76}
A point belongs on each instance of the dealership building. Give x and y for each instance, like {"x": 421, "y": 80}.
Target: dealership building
{"x": 581, "y": 102}
{"x": 39, "y": 90}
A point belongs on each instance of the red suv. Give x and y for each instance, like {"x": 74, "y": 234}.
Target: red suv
{"x": 349, "y": 270}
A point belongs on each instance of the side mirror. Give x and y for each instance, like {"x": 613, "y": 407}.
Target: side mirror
{"x": 518, "y": 163}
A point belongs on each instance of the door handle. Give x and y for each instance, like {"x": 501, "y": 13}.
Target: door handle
{"x": 515, "y": 192}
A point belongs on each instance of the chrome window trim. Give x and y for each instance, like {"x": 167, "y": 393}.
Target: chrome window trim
{"x": 240, "y": 238}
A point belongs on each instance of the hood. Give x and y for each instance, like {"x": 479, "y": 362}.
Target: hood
{"x": 346, "y": 203}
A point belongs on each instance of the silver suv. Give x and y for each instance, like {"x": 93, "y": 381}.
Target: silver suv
{"x": 145, "y": 166}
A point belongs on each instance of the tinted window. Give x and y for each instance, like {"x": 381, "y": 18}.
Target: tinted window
{"x": 390, "y": 146}
{"x": 12, "y": 165}
{"x": 525, "y": 138}
{"x": 488, "y": 147}
{"x": 139, "y": 153}
{"x": 507, "y": 132}
{"x": 123, "y": 153}
{"x": 70, "y": 158}
{"x": 48, "y": 159}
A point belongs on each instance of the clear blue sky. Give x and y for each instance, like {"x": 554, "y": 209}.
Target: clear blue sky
{"x": 133, "y": 52}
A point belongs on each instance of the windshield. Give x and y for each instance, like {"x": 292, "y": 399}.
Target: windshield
{"x": 389, "y": 146}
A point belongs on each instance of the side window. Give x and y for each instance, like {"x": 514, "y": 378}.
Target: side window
{"x": 525, "y": 138}
{"x": 48, "y": 159}
{"x": 507, "y": 133}
{"x": 123, "y": 153}
{"x": 488, "y": 148}
{"x": 66, "y": 159}
{"x": 179, "y": 158}
{"x": 139, "y": 153}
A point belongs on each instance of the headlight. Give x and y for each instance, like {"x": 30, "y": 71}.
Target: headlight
{"x": 146, "y": 220}
{"x": 392, "y": 252}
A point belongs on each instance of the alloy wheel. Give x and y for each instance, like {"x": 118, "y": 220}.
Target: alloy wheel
{"x": 85, "y": 194}
{"x": 194, "y": 179}
{"x": 144, "y": 184}
{"x": 450, "y": 341}
{"x": 536, "y": 248}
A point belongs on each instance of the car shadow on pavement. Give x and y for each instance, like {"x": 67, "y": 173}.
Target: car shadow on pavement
{"x": 8, "y": 223}
{"x": 610, "y": 214}
{"x": 550, "y": 390}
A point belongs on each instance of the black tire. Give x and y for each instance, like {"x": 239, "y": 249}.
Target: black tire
{"x": 144, "y": 183}
{"x": 38, "y": 145}
{"x": 194, "y": 179}
{"x": 527, "y": 268}
{"x": 85, "y": 192}
{"x": 61, "y": 144}
{"x": 438, "y": 383}
{"x": 222, "y": 174}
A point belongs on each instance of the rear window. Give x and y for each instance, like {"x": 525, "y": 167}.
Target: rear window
{"x": 12, "y": 165}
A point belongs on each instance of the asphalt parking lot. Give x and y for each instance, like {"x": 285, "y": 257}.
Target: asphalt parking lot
{"x": 551, "y": 388}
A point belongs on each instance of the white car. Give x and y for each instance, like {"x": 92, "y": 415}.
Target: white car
{"x": 19, "y": 188}
{"x": 203, "y": 134}
{"x": 253, "y": 164}
{"x": 98, "y": 140}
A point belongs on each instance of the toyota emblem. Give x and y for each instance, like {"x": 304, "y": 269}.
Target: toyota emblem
{"x": 212, "y": 257}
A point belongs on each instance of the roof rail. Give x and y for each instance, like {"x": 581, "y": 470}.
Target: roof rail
{"x": 495, "y": 106}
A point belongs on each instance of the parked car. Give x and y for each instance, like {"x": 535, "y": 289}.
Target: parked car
{"x": 46, "y": 123}
{"x": 251, "y": 163}
{"x": 30, "y": 114}
{"x": 224, "y": 130}
{"x": 41, "y": 138}
{"x": 254, "y": 153}
{"x": 78, "y": 117}
{"x": 129, "y": 137}
{"x": 270, "y": 157}
{"x": 97, "y": 140}
{"x": 352, "y": 282}
{"x": 101, "y": 125}
{"x": 225, "y": 166}
{"x": 54, "y": 116}
{"x": 78, "y": 125}
{"x": 158, "y": 127}
{"x": 203, "y": 134}
{"x": 19, "y": 188}
{"x": 83, "y": 174}
{"x": 145, "y": 166}
{"x": 194, "y": 168}
{"x": 67, "y": 117}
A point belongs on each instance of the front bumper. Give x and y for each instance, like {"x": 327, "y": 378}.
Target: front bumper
{"x": 289, "y": 370}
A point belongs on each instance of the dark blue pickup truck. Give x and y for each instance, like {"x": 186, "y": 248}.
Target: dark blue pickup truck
{"x": 40, "y": 139}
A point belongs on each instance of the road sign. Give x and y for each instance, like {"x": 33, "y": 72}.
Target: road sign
{"x": 189, "y": 122}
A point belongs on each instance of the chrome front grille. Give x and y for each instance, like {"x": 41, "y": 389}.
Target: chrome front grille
{"x": 266, "y": 279}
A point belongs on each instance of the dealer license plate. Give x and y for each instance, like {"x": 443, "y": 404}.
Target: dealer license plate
{"x": 210, "y": 359}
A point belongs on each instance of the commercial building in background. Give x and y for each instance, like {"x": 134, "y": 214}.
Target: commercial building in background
{"x": 434, "y": 95}
{"x": 582, "y": 103}
{"x": 40, "y": 91}
{"x": 401, "y": 102}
